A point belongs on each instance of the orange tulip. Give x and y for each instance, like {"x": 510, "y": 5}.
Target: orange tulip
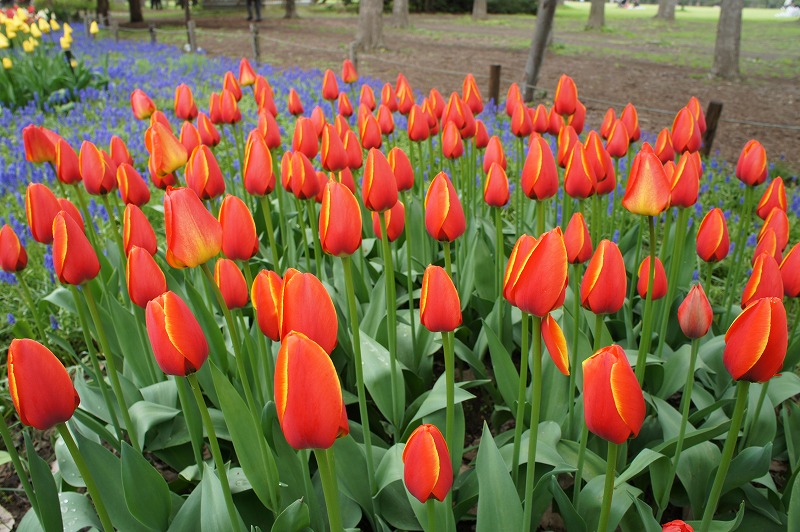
{"x": 13, "y": 257}
{"x": 436, "y": 103}
{"x": 379, "y": 186}
{"x": 566, "y": 99}
{"x": 540, "y": 119}
{"x": 66, "y": 163}
{"x": 774, "y": 196}
{"x": 405, "y": 99}
{"x": 697, "y": 111}
{"x": 756, "y": 341}
{"x": 41, "y": 207}
{"x": 790, "y": 272}
{"x": 765, "y": 281}
{"x": 231, "y": 283}
{"x": 301, "y": 177}
{"x": 67, "y": 206}
{"x": 265, "y": 97}
{"x": 215, "y": 108}
{"x": 208, "y": 132}
{"x": 344, "y": 106}
{"x": 266, "y": 296}
{"x": 239, "y": 238}
{"x": 444, "y": 216}
{"x": 389, "y": 97}
{"x": 144, "y": 278}
{"x": 695, "y": 314}
{"x": 665, "y": 151}
{"x": 439, "y": 305}
{"x": 494, "y": 154}
{"x": 269, "y": 129}
{"x": 713, "y": 242}
{"x": 386, "y": 120}
{"x": 305, "y": 139}
{"x": 332, "y": 153}
{"x": 355, "y": 157}
{"x": 194, "y": 236}
{"x": 539, "y": 174}
{"x": 259, "y": 179}
{"x": 141, "y": 105}
{"x": 630, "y": 117}
{"x": 97, "y": 175}
{"x": 307, "y": 308}
{"x": 768, "y": 243}
{"x": 418, "y": 129}
{"x": 536, "y": 276}
{"x": 339, "y": 221}
{"x": 686, "y": 180}
{"x": 428, "y": 468}
{"x": 74, "y": 258}
{"x": 556, "y": 344}
{"x": 137, "y": 231}
{"x": 119, "y": 151}
{"x": 452, "y": 145}
{"x": 190, "y": 137}
{"x": 247, "y": 75}
{"x": 318, "y": 120}
{"x": 167, "y": 154}
{"x": 578, "y": 119}
{"x": 613, "y": 401}
{"x": 471, "y": 95}
{"x": 605, "y": 283}
{"x": 230, "y": 84}
{"x": 618, "y": 139}
{"x": 132, "y": 186}
{"x": 609, "y": 119}
{"x": 686, "y": 135}
{"x": 577, "y": 239}
{"x": 203, "y": 174}
{"x": 395, "y": 222}
{"x": 229, "y": 112}
{"x": 367, "y": 97}
{"x": 39, "y": 386}
{"x": 648, "y": 189}
{"x": 308, "y": 395}
{"x": 481, "y": 135}
{"x": 295, "y": 105}
{"x": 401, "y": 166}
{"x": 751, "y": 169}
{"x": 185, "y": 108}
{"x": 513, "y": 97}
{"x": 579, "y": 176}
{"x": 370, "y": 132}
{"x": 659, "y": 280}
{"x": 179, "y": 343}
{"x": 677, "y": 526}
{"x": 554, "y": 122}
{"x": 161, "y": 118}
{"x": 349, "y": 74}
{"x": 495, "y": 190}
{"x": 330, "y": 88}
{"x": 567, "y": 139}
{"x": 778, "y": 221}
{"x": 521, "y": 123}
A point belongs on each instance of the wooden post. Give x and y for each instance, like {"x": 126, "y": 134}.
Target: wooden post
{"x": 152, "y": 29}
{"x": 353, "y": 54}
{"x": 494, "y": 84}
{"x": 86, "y": 22}
{"x": 115, "y": 30}
{"x": 712, "y": 119}
{"x": 256, "y": 43}
{"x": 190, "y": 25}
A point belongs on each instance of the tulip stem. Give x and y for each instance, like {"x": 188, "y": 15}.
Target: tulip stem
{"x": 449, "y": 376}
{"x": 448, "y": 260}
{"x": 301, "y": 220}
{"x": 647, "y": 317}
{"x": 112, "y": 368}
{"x": 273, "y": 247}
{"x": 686, "y": 401}
{"x": 314, "y": 223}
{"x": 523, "y": 388}
{"x": 87, "y": 215}
{"x": 191, "y": 424}
{"x": 155, "y": 373}
{"x": 576, "y": 309}
{"x": 391, "y": 323}
{"x": 123, "y": 259}
{"x": 738, "y": 251}
{"x": 632, "y": 287}
{"x": 674, "y": 269}
{"x": 357, "y": 360}
{"x": 727, "y": 454}
{"x": 430, "y": 505}
{"x": 754, "y": 417}
{"x": 87, "y": 477}
{"x": 608, "y": 489}
{"x": 410, "y": 286}
{"x": 533, "y": 434}
{"x": 25, "y": 293}
{"x": 330, "y": 487}
{"x": 499, "y": 259}
{"x": 23, "y": 476}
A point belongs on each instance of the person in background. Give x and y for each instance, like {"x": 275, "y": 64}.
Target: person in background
{"x": 250, "y": 4}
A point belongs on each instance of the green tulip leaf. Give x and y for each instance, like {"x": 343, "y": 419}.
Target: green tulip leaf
{"x": 44, "y": 489}
{"x": 146, "y": 416}
{"x": 293, "y": 519}
{"x": 146, "y": 492}
{"x": 499, "y": 507}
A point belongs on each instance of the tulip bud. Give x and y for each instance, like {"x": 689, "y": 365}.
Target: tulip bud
{"x": 713, "y": 241}
{"x": 339, "y": 220}
{"x": 578, "y": 119}
{"x": 756, "y": 341}
{"x": 97, "y": 175}
{"x": 536, "y": 276}
{"x": 686, "y": 135}
{"x": 208, "y": 132}
{"x": 301, "y": 176}
{"x": 72, "y": 211}
{"x": 349, "y": 74}
{"x": 132, "y": 187}
{"x": 444, "y": 216}
{"x": 579, "y": 177}
{"x": 401, "y": 167}
{"x": 778, "y": 221}
{"x": 266, "y": 296}
{"x": 494, "y": 154}
{"x": 332, "y": 153}
{"x": 495, "y": 190}
{"x": 481, "y": 135}
{"x": 556, "y": 344}
{"x": 440, "y": 307}
{"x": 608, "y": 122}
{"x": 613, "y": 401}
{"x": 790, "y": 272}
{"x": 751, "y": 169}
{"x": 355, "y": 158}
{"x": 344, "y": 105}
{"x": 452, "y": 145}
{"x": 229, "y": 107}
{"x": 577, "y": 239}
{"x": 13, "y": 257}
{"x": 370, "y": 132}
{"x": 141, "y": 105}
{"x": 648, "y": 190}
{"x": 513, "y": 97}
{"x": 119, "y": 151}
{"x": 566, "y": 141}
{"x": 765, "y": 281}
{"x": 137, "y": 231}
{"x": 330, "y": 88}
{"x": 379, "y": 187}
{"x": 774, "y": 196}
{"x": 203, "y": 174}
{"x": 74, "y": 258}
{"x": 630, "y": 117}
{"x": 539, "y": 174}
{"x": 190, "y": 137}
{"x": 566, "y": 98}
{"x": 185, "y": 108}
{"x": 677, "y": 525}
{"x": 239, "y": 237}
{"x": 695, "y": 314}
{"x": 67, "y": 166}
{"x": 686, "y": 180}
{"x": 367, "y": 97}
{"x": 428, "y": 468}
{"x": 659, "y": 280}
{"x": 418, "y": 129}
{"x": 144, "y": 278}
{"x": 471, "y": 95}
{"x": 179, "y": 343}
{"x": 194, "y": 236}
{"x": 307, "y": 308}
{"x": 230, "y": 84}
{"x": 259, "y": 179}
{"x": 318, "y": 120}
{"x": 215, "y": 108}
{"x": 664, "y": 149}
{"x": 521, "y": 124}
{"x": 605, "y": 283}
{"x": 305, "y": 139}
{"x": 295, "y": 105}
{"x": 39, "y": 385}
{"x": 395, "y": 221}
{"x": 768, "y": 243}
{"x": 618, "y": 140}
{"x": 247, "y": 76}
{"x": 41, "y": 207}
{"x": 231, "y": 283}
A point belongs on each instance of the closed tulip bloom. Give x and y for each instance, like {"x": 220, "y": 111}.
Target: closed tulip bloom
{"x": 214, "y": 108}
{"x": 554, "y": 122}
{"x": 190, "y": 137}
{"x": 330, "y": 88}
{"x": 370, "y": 132}
{"x": 179, "y": 343}
{"x": 578, "y": 119}
{"x": 203, "y": 174}
{"x": 567, "y": 139}
{"x": 618, "y": 140}
{"x": 677, "y": 526}
{"x": 454, "y": 111}
{"x": 66, "y": 164}
{"x": 418, "y": 129}
{"x": 332, "y": 153}
{"x": 247, "y": 75}
{"x": 778, "y": 221}
{"x": 41, "y": 207}
{"x": 339, "y": 220}
{"x": 659, "y": 280}
{"x": 39, "y": 385}
{"x": 307, "y": 308}
{"x": 379, "y": 186}
{"x": 481, "y": 135}
{"x": 266, "y": 296}
{"x": 389, "y": 97}
{"x": 495, "y": 190}
{"x": 471, "y": 95}
{"x": 774, "y": 196}
{"x": 295, "y": 105}
{"x": 439, "y": 305}
{"x": 74, "y": 258}
{"x": 349, "y": 74}
{"x": 579, "y": 176}
{"x": 686, "y": 180}
{"x": 648, "y": 190}
{"x": 230, "y": 84}
{"x": 536, "y": 275}
{"x": 355, "y": 156}
{"x": 607, "y": 180}
{"x": 144, "y": 278}
{"x": 13, "y": 257}
{"x": 494, "y": 154}
{"x": 521, "y": 123}
{"x": 161, "y": 118}
{"x": 790, "y": 272}
{"x": 630, "y": 117}
{"x": 259, "y": 179}
{"x": 344, "y": 106}
{"x": 665, "y": 151}
{"x": 578, "y": 240}
{"x": 72, "y": 211}
{"x": 513, "y": 97}
{"x": 427, "y": 466}
{"x": 605, "y": 283}
{"x": 751, "y": 169}
{"x": 686, "y": 135}
{"x": 768, "y": 243}
{"x": 614, "y": 406}
{"x": 367, "y": 97}
{"x": 308, "y": 395}
{"x": 119, "y": 151}
{"x": 765, "y": 281}
{"x": 386, "y": 120}
{"x": 132, "y": 186}
{"x": 713, "y": 242}
{"x": 566, "y": 98}
{"x": 137, "y": 231}
{"x": 539, "y": 174}
{"x": 208, "y": 132}
{"x": 395, "y": 222}
{"x": 540, "y": 119}
{"x": 264, "y": 96}
{"x": 98, "y": 177}
{"x": 193, "y": 234}
{"x": 595, "y": 154}
{"x": 185, "y": 108}
{"x": 608, "y": 122}
{"x": 303, "y": 181}
{"x": 167, "y": 154}
{"x": 269, "y": 129}
{"x": 756, "y": 341}
{"x": 556, "y": 344}
{"x": 436, "y": 103}
{"x": 452, "y": 145}
{"x": 444, "y": 216}
{"x": 229, "y": 107}
{"x": 305, "y": 138}
{"x": 231, "y": 283}
{"x": 239, "y": 237}
{"x": 318, "y": 120}
{"x": 401, "y": 166}
{"x": 695, "y": 314}
{"x": 697, "y": 112}
{"x": 141, "y": 105}
{"x": 39, "y": 143}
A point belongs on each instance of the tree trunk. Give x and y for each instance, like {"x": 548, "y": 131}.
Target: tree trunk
{"x": 479, "y": 10}
{"x": 729, "y": 33}
{"x": 400, "y": 13}
{"x": 370, "y": 25}
{"x": 666, "y": 10}
{"x": 291, "y": 10}
{"x": 135, "y": 9}
{"x": 102, "y": 10}
{"x": 544, "y": 25}
{"x": 597, "y": 15}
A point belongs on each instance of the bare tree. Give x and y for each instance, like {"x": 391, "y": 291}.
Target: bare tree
{"x": 291, "y": 9}
{"x": 597, "y": 15}
{"x": 400, "y": 13}
{"x": 370, "y": 25}
{"x": 666, "y": 10}
{"x": 729, "y": 36}
{"x": 544, "y": 26}
{"x": 102, "y": 10}
{"x": 479, "y": 9}
{"x": 135, "y": 9}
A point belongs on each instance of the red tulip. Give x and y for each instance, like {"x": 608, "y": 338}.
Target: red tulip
{"x": 665, "y": 151}
{"x": 697, "y": 111}
{"x": 259, "y": 179}
{"x": 367, "y": 97}
{"x": 630, "y": 117}
{"x": 648, "y": 189}
{"x": 305, "y": 139}
{"x": 494, "y": 154}
{"x": 401, "y": 166}
{"x": 756, "y": 341}
{"x": 332, "y": 153}
{"x": 330, "y": 88}
{"x": 66, "y": 163}
{"x": 230, "y": 84}
{"x": 190, "y": 137}
{"x": 695, "y": 314}
{"x": 613, "y": 401}
{"x": 713, "y": 242}
{"x": 481, "y": 135}
{"x": 605, "y": 283}
{"x": 418, "y": 129}
{"x": 269, "y": 129}
{"x": 137, "y": 231}
{"x": 247, "y": 75}
{"x": 495, "y": 190}
{"x": 405, "y": 99}
{"x": 790, "y": 272}
{"x": 349, "y": 74}
{"x": 339, "y": 221}
{"x": 471, "y": 95}
{"x": 686, "y": 135}
{"x": 295, "y": 105}
{"x": 428, "y": 468}
{"x": 301, "y": 176}
{"x": 41, "y": 207}
{"x": 39, "y": 386}
{"x": 659, "y": 280}
{"x": 179, "y": 343}
{"x": 677, "y": 525}
{"x": 556, "y": 344}
{"x": 370, "y": 132}
{"x": 379, "y": 187}
{"x": 318, "y": 120}
{"x": 436, "y": 103}
{"x": 539, "y": 174}
{"x": 389, "y": 97}
{"x": 185, "y": 108}
{"x": 774, "y": 196}
{"x": 229, "y": 112}
{"x": 215, "y": 108}
{"x": 266, "y": 296}
{"x": 439, "y": 305}
{"x": 444, "y": 216}
{"x": 567, "y": 139}
{"x": 608, "y": 122}
{"x": 119, "y": 152}
{"x": 208, "y": 133}
{"x": 355, "y": 157}
{"x": 618, "y": 140}
{"x": 765, "y": 281}
{"x": 566, "y": 99}
{"x": 194, "y": 236}
{"x": 167, "y": 154}
{"x": 144, "y": 278}
{"x": 203, "y": 174}
{"x": 452, "y": 145}
{"x": 231, "y": 283}
{"x": 579, "y": 176}
{"x": 578, "y": 119}
{"x": 536, "y": 277}
{"x": 74, "y": 258}
{"x": 307, "y": 308}
{"x": 540, "y": 119}
{"x": 685, "y": 182}
{"x": 385, "y": 120}
{"x": 768, "y": 243}
{"x": 132, "y": 186}
{"x": 344, "y": 105}
{"x": 751, "y": 168}
{"x": 98, "y": 177}
{"x": 160, "y": 118}
{"x": 577, "y": 239}
{"x": 239, "y": 238}
{"x": 67, "y": 206}
{"x": 513, "y": 97}
{"x": 141, "y": 105}
{"x": 521, "y": 123}
{"x": 395, "y": 221}
{"x": 13, "y": 257}
{"x": 778, "y": 221}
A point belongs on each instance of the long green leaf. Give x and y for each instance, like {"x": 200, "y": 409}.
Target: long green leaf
{"x": 499, "y": 507}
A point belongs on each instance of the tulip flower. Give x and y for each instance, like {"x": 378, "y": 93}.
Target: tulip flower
{"x": 266, "y": 296}
{"x": 765, "y": 281}
{"x": 247, "y": 75}
{"x": 132, "y": 187}
{"x": 630, "y": 117}
{"x": 481, "y": 135}
{"x": 318, "y": 120}
{"x": 774, "y": 196}
{"x": 686, "y": 135}
{"x": 440, "y": 307}
{"x": 13, "y": 257}
{"x": 208, "y": 132}
{"x": 295, "y": 105}
{"x": 355, "y": 157}
{"x": 428, "y": 469}
{"x": 239, "y": 237}
{"x": 74, "y": 258}
{"x": 301, "y": 178}
{"x": 98, "y": 177}
{"x": 495, "y": 190}
{"x": 119, "y": 151}
{"x": 605, "y": 283}
{"x": 513, "y": 97}
{"x": 521, "y": 124}
{"x": 72, "y": 211}
{"x": 305, "y": 139}
{"x": 161, "y": 118}
{"x": 370, "y": 132}
{"x": 778, "y": 221}
{"x": 332, "y": 153}
{"x": 418, "y": 129}
{"x": 677, "y": 526}
{"x": 379, "y": 187}
{"x": 579, "y": 176}
{"x": 339, "y": 221}
{"x": 137, "y": 231}
{"x": 203, "y": 174}
{"x": 713, "y": 242}
{"x": 536, "y": 275}
{"x": 452, "y": 145}
{"x": 756, "y": 341}
{"x": 190, "y": 137}
{"x": 179, "y": 343}
{"x": 269, "y": 129}
{"x": 66, "y": 163}
{"x": 40, "y": 144}
{"x": 566, "y": 140}
{"x": 648, "y": 190}
{"x": 471, "y": 95}
{"x": 367, "y": 97}
{"x": 344, "y": 106}
{"x": 695, "y": 314}
{"x": 144, "y": 278}
{"x": 595, "y": 154}
{"x": 167, "y": 154}
{"x": 395, "y": 222}
{"x": 401, "y": 166}
{"x": 539, "y": 178}
{"x": 659, "y": 281}
{"x": 444, "y": 216}
{"x": 229, "y": 112}
{"x": 330, "y": 88}
{"x": 141, "y": 105}
{"x": 566, "y": 99}
{"x": 307, "y": 308}
{"x": 230, "y": 84}
{"x": 193, "y": 235}
{"x": 685, "y": 182}
{"x": 259, "y": 179}
{"x": 386, "y": 120}
{"x": 231, "y": 283}
{"x": 751, "y": 169}
{"x": 41, "y": 207}
{"x": 39, "y": 385}
{"x": 577, "y": 240}
{"x": 349, "y": 74}
{"x": 184, "y": 105}
{"x": 556, "y": 344}
{"x": 618, "y": 139}
{"x": 790, "y": 272}
{"x": 540, "y": 119}
{"x": 578, "y": 119}
{"x": 494, "y": 154}
{"x": 768, "y": 243}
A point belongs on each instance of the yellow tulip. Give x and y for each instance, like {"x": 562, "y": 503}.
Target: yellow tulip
{"x": 7, "y": 63}
{"x": 10, "y": 33}
{"x": 66, "y": 42}
{"x": 44, "y": 26}
{"x": 67, "y": 29}
{"x": 35, "y": 31}
{"x": 73, "y": 63}
{"x": 54, "y": 25}
{"x": 23, "y": 27}
{"x": 94, "y": 29}
{"x": 27, "y": 46}
{"x": 3, "y": 41}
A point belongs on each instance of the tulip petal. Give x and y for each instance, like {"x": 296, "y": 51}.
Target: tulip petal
{"x": 627, "y": 394}
{"x": 556, "y": 344}
{"x": 423, "y": 466}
